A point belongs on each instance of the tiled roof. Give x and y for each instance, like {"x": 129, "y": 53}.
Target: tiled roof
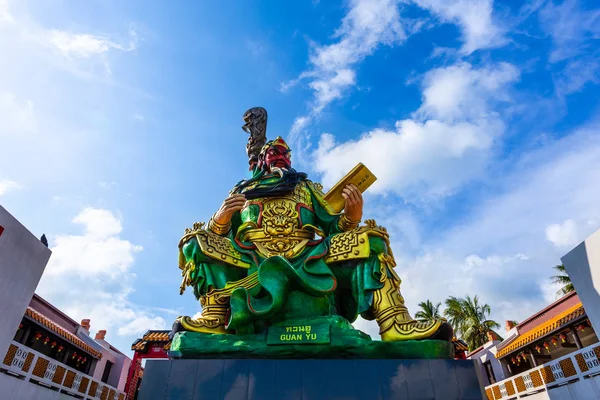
{"x": 543, "y": 329}
{"x": 152, "y": 337}
{"x": 459, "y": 344}
{"x": 156, "y": 336}
{"x": 62, "y": 332}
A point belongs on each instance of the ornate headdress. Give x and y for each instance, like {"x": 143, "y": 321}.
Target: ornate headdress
{"x": 278, "y": 141}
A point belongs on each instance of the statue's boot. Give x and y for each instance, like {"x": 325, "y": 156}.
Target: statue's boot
{"x": 395, "y": 322}
{"x": 212, "y": 319}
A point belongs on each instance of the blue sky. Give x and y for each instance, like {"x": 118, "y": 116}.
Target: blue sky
{"x": 121, "y": 127}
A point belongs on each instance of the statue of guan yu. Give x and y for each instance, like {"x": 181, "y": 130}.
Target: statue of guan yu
{"x": 277, "y": 256}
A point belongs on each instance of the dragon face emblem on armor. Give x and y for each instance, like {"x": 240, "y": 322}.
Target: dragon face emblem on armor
{"x": 280, "y": 218}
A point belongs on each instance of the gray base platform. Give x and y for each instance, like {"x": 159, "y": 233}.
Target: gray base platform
{"x": 309, "y": 380}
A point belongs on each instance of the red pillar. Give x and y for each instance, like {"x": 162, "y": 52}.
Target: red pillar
{"x": 132, "y": 375}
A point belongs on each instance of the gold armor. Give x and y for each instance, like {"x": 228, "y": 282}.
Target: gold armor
{"x": 282, "y": 215}
{"x": 388, "y": 307}
{"x": 214, "y": 307}
{"x": 280, "y": 234}
{"x": 392, "y": 316}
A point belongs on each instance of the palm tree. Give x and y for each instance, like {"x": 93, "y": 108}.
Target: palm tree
{"x": 454, "y": 312}
{"x": 428, "y": 311}
{"x": 562, "y": 279}
{"x": 470, "y": 319}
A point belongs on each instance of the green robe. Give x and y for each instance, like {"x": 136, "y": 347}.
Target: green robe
{"x": 302, "y": 286}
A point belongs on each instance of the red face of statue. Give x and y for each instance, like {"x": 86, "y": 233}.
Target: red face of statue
{"x": 278, "y": 156}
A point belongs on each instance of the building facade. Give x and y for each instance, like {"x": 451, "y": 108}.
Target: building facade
{"x": 154, "y": 344}
{"x": 554, "y": 348}
{"x": 51, "y": 356}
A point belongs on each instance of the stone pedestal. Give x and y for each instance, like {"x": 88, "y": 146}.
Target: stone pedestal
{"x": 330, "y": 337}
{"x": 311, "y": 379}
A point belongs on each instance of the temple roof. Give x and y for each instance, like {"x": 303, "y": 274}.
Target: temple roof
{"x": 62, "y": 332}
{"x": 152, "y": 336}
{"x": 543, "y": 329}
{"x": 459, "y": 344}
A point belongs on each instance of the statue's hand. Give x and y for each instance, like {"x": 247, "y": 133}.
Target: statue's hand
{"x": 231, "y": 204}
{"x": 353, "y": 207}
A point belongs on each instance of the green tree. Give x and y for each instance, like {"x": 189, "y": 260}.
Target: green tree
{"x": 562, "y": 279}
{"x": 470, "y": 320}
{"x": 428, "y": 311}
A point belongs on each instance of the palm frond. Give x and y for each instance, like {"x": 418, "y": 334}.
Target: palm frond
{"x": 428, "y": 311}
{"x": 468, "y": 317}
{"x": 560, "y": 268}
{"x": 561, "y": 279}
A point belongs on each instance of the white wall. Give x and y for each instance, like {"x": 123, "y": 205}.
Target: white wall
{"x": 587, "y": 389}
{"x": 100, "y": 365}
{"x": 23, "y": 259}
{"x": 119, "y": 370}
{"x": 488, "y": 353}
{"x": 123, "y": 366}
{"x": 583, "y": 266}
{"x": 17, "y": 389}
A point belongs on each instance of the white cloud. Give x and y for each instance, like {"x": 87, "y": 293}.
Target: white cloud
{"x": 88, "y": 276}
{"x": 52, "y": 99}
{"x": 299, "y": 124}
{"x": 100, "y": 224}
{"x": 564, "y": 235}
{"x": 17, "y": 115}
{"x": 474, "y": 18}
{"x": 494, "y": 262}
{"x": 83, "y": 45}
{"x": 100, "y": 246}
{"x": 417, "y": 160}
{"x": 104, "y": 184}
{"x": 371, "y": 24}
{"x": 575, "y": 33}
{"x": 81, "y": 53}
{"x": 571, "y": 28}
{"x": 462, "y": 92}
{"x": 577, "y": 73}
{"x": 141, "y": 324}
{"x": 448, "y": 143}
{"x": 5, "y": 14}
{"x": 501, "y": 250}
{"x": 197, "y": 315}
{"x": 366, "y": 26}
{"x": 7, "y": 186}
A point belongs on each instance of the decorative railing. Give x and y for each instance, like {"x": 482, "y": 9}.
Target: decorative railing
{"x": 29, "y": 365}
{"x": 565, "y": 370}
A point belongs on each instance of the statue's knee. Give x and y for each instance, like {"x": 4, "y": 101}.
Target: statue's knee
{"x": 191, "y": 249}
{"x": 377, "y": 245}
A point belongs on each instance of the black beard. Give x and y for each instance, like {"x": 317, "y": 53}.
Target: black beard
{"x": 288, "y": 180}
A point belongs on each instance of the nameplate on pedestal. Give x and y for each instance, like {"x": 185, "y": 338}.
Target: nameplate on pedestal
{"x": 299, "y": 334}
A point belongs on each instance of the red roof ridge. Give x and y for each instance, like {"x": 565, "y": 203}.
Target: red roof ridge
{"x": 547, "y": 308}
{"x": 54, "y": 308}
{"x": 61, "y": 331}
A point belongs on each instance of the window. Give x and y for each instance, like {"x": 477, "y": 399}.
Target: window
{"x": 106, "y": 373}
